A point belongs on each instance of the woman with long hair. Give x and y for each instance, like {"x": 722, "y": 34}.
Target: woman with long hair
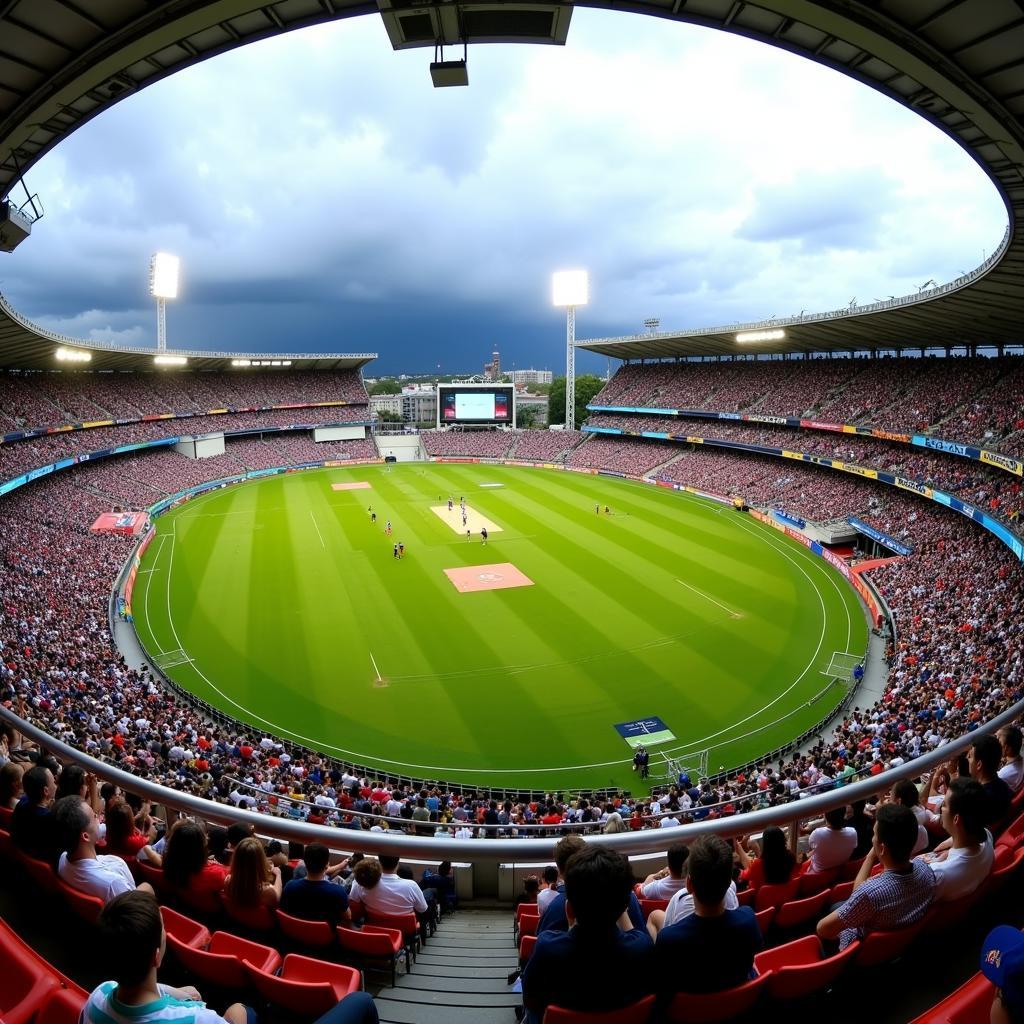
{"x": 123, "y": 838}
{"x": 615, "y": 823}
{"x": 774, "y": 866}
{"x": 187, "y": 864}
{"x": 252, "y": 881}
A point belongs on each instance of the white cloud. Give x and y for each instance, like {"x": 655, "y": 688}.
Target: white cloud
{"x": 702, "y": 178}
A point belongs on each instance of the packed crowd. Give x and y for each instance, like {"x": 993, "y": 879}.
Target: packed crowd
{"x": 44, "y": 399}
{"x": 997, "y": 492}
{"x": 471, "y": 444}
{"x": 544, "y": 445}
{"x": 976, "y": 400}
{"x": 622, "y": 455}
{"x": 958, "y": 606}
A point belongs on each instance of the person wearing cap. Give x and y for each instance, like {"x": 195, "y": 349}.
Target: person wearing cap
{"x": 1002, "y": 962}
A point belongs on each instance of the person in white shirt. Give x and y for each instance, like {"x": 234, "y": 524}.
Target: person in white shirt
{"x": 682, "y": 906}
{"x": 965, "y": 860}
{"x": 379, "y": 889}
{"x": 833, "y": 844}
{"x": 103, "y": 876}
{"x": 664, "y": 884}
{"x": 1012, "y": 771}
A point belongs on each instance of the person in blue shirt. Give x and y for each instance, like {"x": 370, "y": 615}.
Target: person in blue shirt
{"x": 316, "y": 897}
{"x": 601, "y": 942}
{"x": 713, "y": 948}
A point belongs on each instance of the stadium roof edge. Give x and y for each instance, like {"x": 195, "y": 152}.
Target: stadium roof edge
{"x": 955, "y": 64}
{"x": 27, "y": 346}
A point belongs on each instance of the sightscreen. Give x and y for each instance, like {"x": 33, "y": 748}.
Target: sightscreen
{"x": 457, "y": 404}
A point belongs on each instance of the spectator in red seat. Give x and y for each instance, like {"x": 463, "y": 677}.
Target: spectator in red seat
{"x": 317, "y": 897}
{"x": 664, "y": 884}
{"x": 101, "y": 875}
{"x": 392, "y": 894}
{"x": 123, "y": 838}
{"x": 898, "y": 897}
{"x": 601, "y": 942}
{"x": 776, "y": 864}
{"x": 76, "y": 781}
{"x": 1012, "y": 771}
{"x": 963, "y": 861}
{"x": 187, "y": 862}
{"x": 713, "y": 948}
{"x": 10, "y": 792}
{"x": 832, "y": 844}
{"x": 131, "y": 934}
{"x": 252, "y": 881}
{"x": 32, "y": 827}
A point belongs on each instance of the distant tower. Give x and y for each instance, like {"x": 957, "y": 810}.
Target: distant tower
{"x": 496, "y": 364}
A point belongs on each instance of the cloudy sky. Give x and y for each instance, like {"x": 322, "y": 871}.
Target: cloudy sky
{"x": 324, "y": 197}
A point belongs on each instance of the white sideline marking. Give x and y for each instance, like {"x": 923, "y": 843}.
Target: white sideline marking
{"x": 375, "y": 669}
{"x": 318, "y": 533}
{"x": 708, "y": 597}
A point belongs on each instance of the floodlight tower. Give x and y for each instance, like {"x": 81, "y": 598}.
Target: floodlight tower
{"x": 163, "y": 285}
{"x": 569, "y": 290}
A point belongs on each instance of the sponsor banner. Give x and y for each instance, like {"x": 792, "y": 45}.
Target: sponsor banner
{"x": 849, "y": 467}
{"x": 791, "y": 520}
{"x": 877, "y": 535}
{"x": 1002, "y": 462}
{"x": 35, "y": 474}
{"x": 836, "y": 562}
{"x": 797, "y": 535}
{"x": 600, "y": 430}
{"x": 656, "y": 434}
{"x": 867, "y": 596}
{"x": 817, "y": 425}
{"x": 888, "y": 435}
{"x": 728, "y": 416}
{"x": 634, "y": 408}
{"x": 952, "y": 447}
{"x": 913, "y": 485}
{"x": 10, "y": 485}
{"x": 779, "y": 420}
{"x": 98, "y": 423}
{"x": 695, "y": 440}
{"x": 611, "y": 472}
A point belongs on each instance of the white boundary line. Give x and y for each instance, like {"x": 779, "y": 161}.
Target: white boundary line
{"x": 318, "y": 533}
{"x": 375, "y": 669}
{"x": 708, "y": 597}
{"x": 367, "y": 758}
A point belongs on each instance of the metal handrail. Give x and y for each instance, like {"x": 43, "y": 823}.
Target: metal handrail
{"x": 497, "y": 850}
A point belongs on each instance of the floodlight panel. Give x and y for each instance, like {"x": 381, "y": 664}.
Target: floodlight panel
{"x": 170, "y": 360}
{"x": 776, "y": 334}
{"x": 569, "y": 288}
{"x": 163, "y": 275}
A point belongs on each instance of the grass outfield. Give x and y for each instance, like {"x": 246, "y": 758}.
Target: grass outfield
{"x": 295, "y": 616}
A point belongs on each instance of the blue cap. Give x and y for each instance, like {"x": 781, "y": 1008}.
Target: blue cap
{"x": 1002, "y": 962}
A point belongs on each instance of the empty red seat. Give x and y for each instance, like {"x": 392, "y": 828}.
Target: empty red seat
{"x": 881, "y": 947}
{"x": 26, "y": 985}
{"x": 800, "y": 912}
{"x": 698, "y": 1008}
{"x": 813, "y": 882}
{"x": 63, "y": 1007}
{"x": 637, "y": 1013}
{"x": 223, "y": 963}
{"x": 373, "y": 943}
{"x": 407, "y": 924}
{"x": 184, "y": 929}
{"x": 40, "y": 872}
{"x": 526, "y": 945}
{"x": 800, "y": 968}
{"x": 840, "y": 893}
{"x": 306, "y": 987}
{"x": 969, "y": 1004}
{"x": 765, "y": 918}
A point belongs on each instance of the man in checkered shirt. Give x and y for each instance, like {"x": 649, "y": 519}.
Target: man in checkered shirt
{"x": 896, "y": 898}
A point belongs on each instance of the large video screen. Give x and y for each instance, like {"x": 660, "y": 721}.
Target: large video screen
{"x": 456, "y": 404}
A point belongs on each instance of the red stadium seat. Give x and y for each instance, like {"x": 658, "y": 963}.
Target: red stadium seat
{"x": 776, "y": 895}
{"x": 526, "y": 945}
{"x": 85, "y": 906}
{"x": 155, "y": 877}
{"x": 63, "y": 1007}
{"x": 221, "y": 963}
{"x": 840, "y": 893}
{"x": 184, "y": 929}
{"x": 306, "y": 987}
{"x": 313, "y": 934}
{"x": 27, "y": 984}
{"x": 636, "y": 1013}
{"x": 800, "y": 968}
{"x": 254, "y": 919}
{"x": 969, "y": 1004}
{"x": 6, "y": 846}
{"x": 649, "y": 906}
{"x": 525, "y": 912}
{"x": 693, "y": 1008}
{"x": 813, "y": 882}
{"x": 203, "y": 901}
{"x": 1002, "y": 874}
{"x": 799, "y": 912}
{"x": 881, "y": 947}
{"x": 849, "y": 871}
{"x": 747, "y": 897}
{"x": 373, "y": 943}
{"x": 407, "y": 924}
{"x": 946, "y": 915}
{"x": 40, "y": 872}
{"x": 765, "y": 918}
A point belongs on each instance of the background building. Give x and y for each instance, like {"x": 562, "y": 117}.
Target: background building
{"x": 492, "y": 370}
{"x": 531, "y": 376}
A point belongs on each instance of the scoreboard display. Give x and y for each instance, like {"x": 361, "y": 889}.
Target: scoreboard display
{"x": 491, "y": 404}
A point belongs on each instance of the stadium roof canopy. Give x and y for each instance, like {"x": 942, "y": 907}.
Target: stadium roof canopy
{"x": 957, "y": 63}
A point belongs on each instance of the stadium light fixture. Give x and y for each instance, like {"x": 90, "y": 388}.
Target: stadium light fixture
{"x": 570, "y": 288}
{"x": 773, "y": 335}
{"x": 163, "y": 285}
{"x": 73, "y": 355}
{"x": 170, "y": 360}
{"x": 241, "y": 362}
